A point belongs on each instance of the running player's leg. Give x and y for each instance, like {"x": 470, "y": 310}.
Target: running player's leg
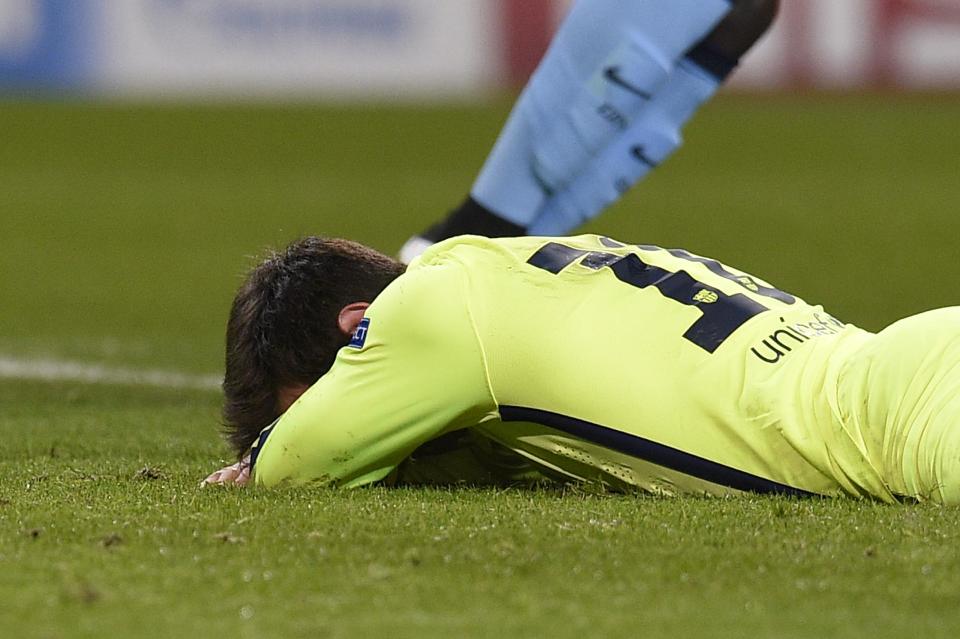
{"x": 509, "y": 178}
{"x": 906, "y": 405}
{"x": 606, "y": 61}
{"x": 655, "y": 132}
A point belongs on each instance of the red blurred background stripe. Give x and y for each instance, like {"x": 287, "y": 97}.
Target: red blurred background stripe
{"x": 527, "y": 26}
{"x": 892, "y": 16}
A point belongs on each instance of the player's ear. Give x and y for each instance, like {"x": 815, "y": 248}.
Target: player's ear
{"x": 350, "y": 316}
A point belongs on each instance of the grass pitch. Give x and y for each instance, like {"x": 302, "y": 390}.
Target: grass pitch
{"x": 124, "y": 230}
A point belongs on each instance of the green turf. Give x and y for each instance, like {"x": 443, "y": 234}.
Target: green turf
{"x": 123, "y": 230}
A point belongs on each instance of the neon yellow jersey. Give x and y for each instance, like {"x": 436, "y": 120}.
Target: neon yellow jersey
{"x": 634, "y": 366}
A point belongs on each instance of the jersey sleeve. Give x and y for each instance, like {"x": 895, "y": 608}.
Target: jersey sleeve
{"x": 419, "y": 373}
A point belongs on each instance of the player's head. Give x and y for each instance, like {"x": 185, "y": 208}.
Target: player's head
{"x": 288, "y": 320}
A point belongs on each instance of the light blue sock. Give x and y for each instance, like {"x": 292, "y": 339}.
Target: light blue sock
{"x": 652, "y": 137}
{"x": 605, "y": 62}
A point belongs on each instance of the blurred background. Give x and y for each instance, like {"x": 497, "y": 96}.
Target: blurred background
{"x": 422, "y": 49}
{"x": 149, "y": 148}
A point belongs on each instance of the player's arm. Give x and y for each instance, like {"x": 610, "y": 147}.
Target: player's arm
{"x": 419, "y": 374}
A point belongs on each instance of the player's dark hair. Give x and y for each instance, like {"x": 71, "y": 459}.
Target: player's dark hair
{"x": 283, "y": 327}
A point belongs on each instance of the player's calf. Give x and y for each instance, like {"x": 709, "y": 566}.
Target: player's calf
{"x": 655, "y": 132}
{"x": 604, "y": 108}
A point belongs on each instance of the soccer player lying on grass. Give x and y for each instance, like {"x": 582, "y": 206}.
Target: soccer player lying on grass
{"x": 605, "y": 106}
{"x": 583, "y": 358}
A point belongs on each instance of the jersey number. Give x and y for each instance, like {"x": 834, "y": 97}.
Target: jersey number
{"x": 722, "y": 314}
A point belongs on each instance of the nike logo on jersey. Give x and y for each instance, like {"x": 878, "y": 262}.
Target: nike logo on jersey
{"x": 612, "y": 74}
{"x": 640, "y": 154}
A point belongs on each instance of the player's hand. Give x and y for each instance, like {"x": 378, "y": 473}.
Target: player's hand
{"x": 236, "y": 474}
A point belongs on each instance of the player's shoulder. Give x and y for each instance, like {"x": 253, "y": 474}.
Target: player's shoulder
{"x": 474, "y": 251}
{"x": 426, "y": 305}
{"x": 462, "y": 250}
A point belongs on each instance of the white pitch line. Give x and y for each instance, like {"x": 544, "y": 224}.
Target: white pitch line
{"x": 54, "y": 370}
